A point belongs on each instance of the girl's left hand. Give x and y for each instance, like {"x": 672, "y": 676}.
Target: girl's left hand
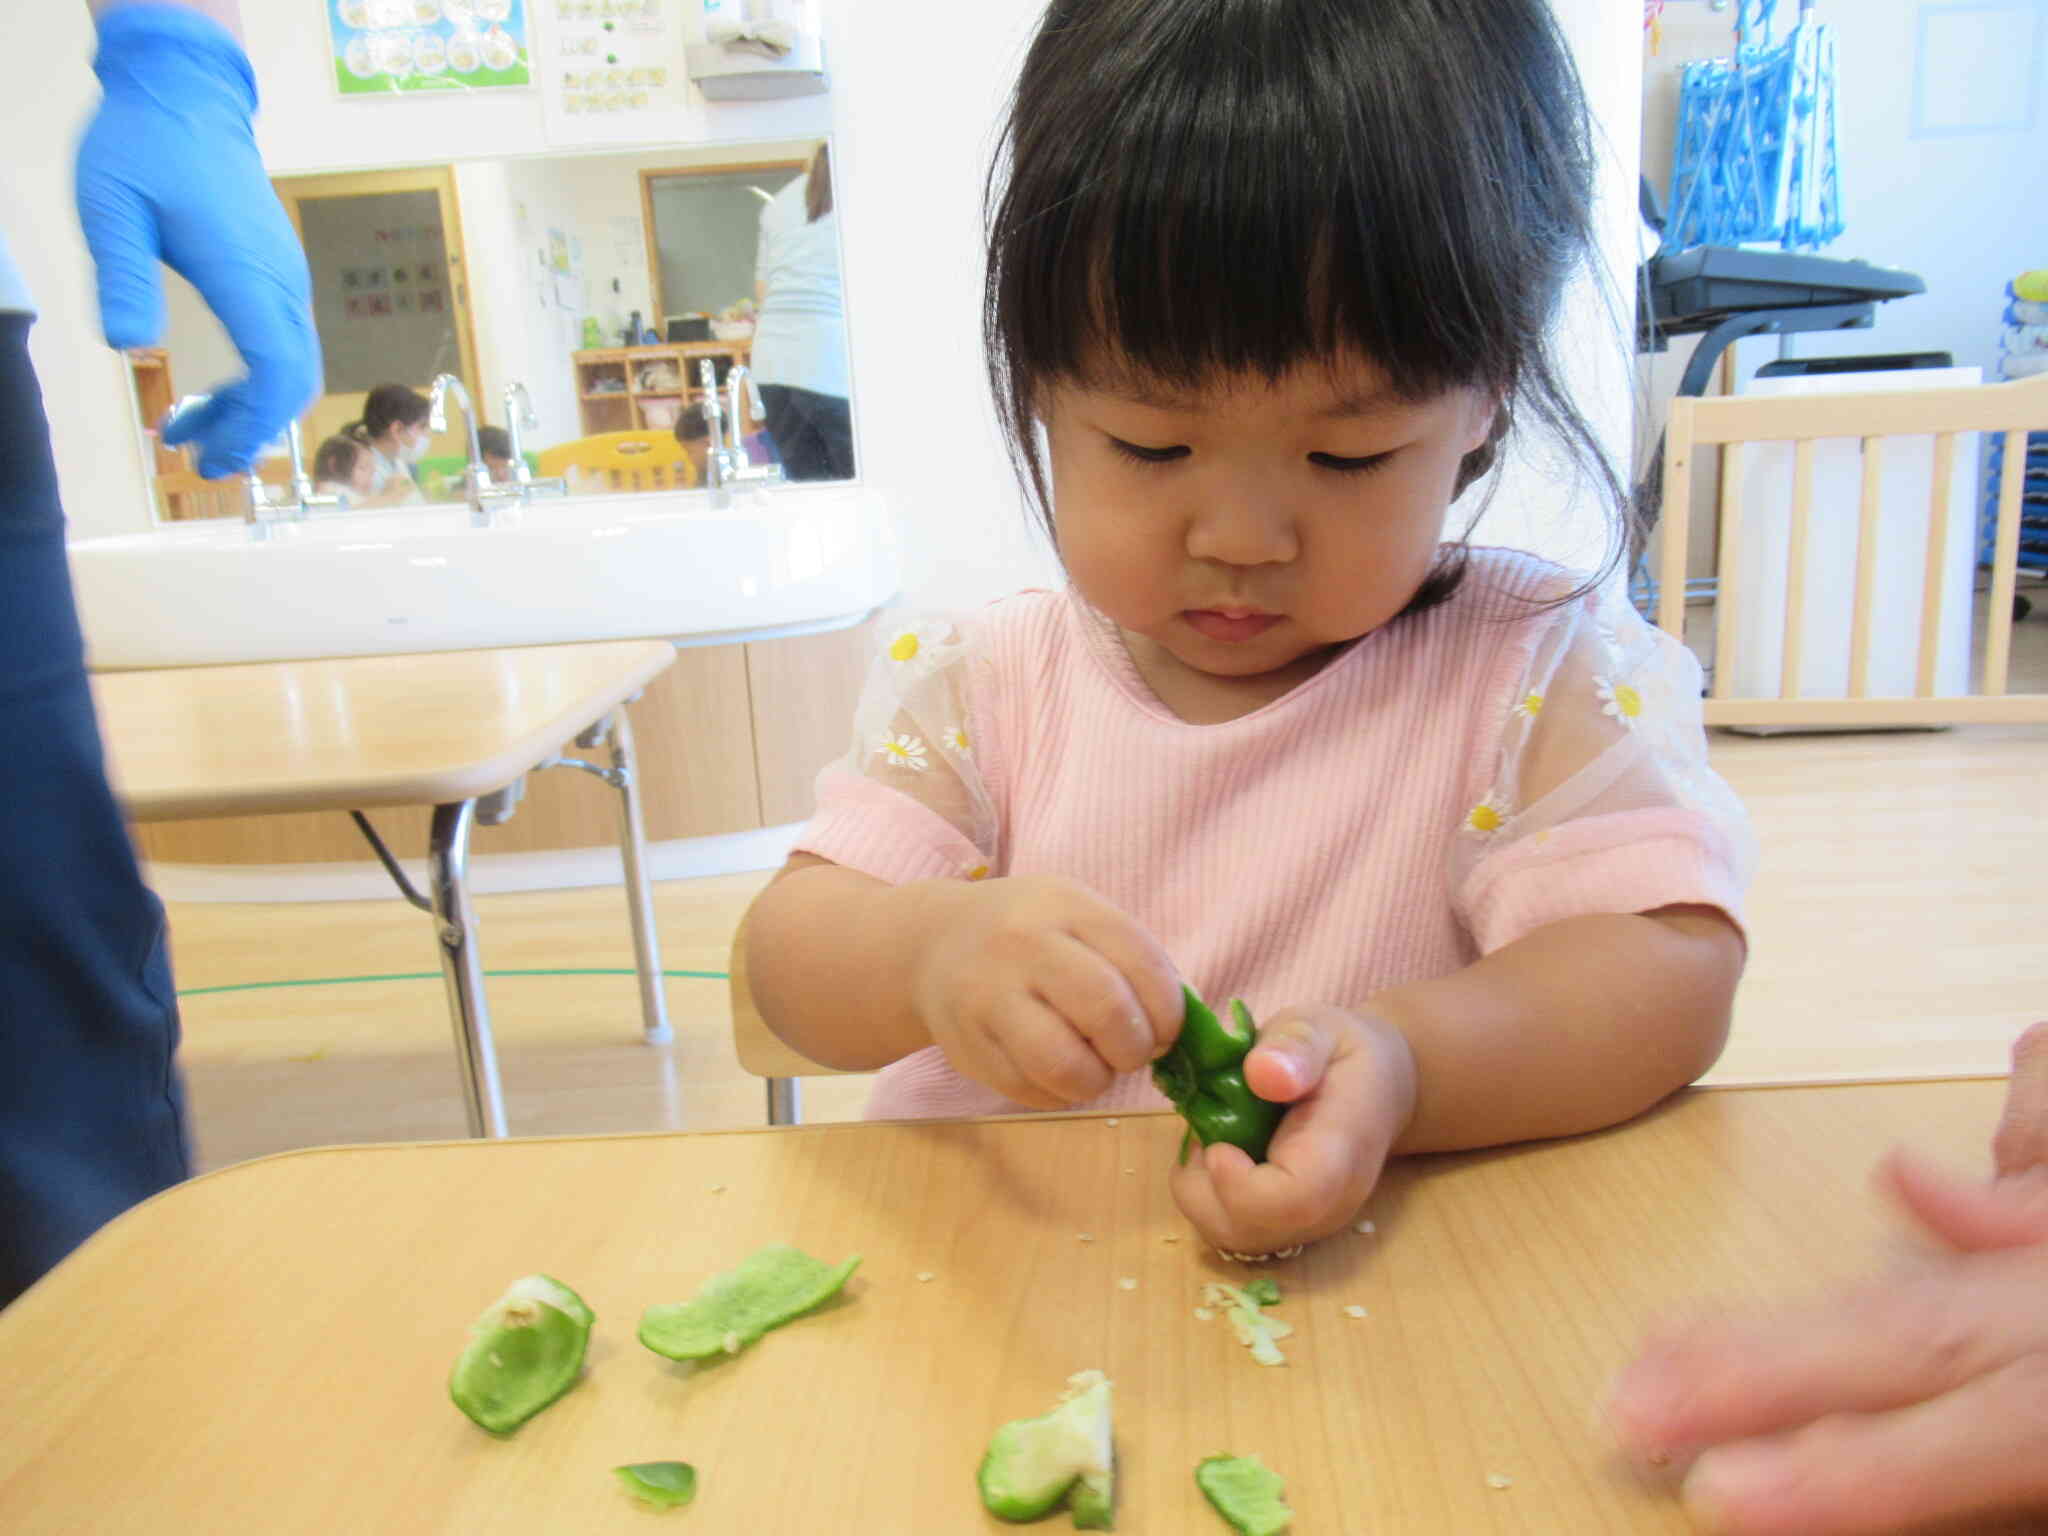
{"x": 1351, "y": 1082}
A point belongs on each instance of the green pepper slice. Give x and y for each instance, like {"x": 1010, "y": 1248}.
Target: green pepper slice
{"x": 664, "y": 1484}
{"x": 732, "y": 1310}
{"x": 523, "y": 1353}
{"x": 1247, "y": 1493}
{"x": 1204, "y": 1077}
{"x": 1063, "y": 1457}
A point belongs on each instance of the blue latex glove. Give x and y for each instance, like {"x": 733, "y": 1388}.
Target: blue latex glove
{"x": 168, "y": 171}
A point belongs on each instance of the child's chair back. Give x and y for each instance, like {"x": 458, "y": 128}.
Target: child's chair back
{"x": 623, "y": 461}
{"x": 760, "y": 1049}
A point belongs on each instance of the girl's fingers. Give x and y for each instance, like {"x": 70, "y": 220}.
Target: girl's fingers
{"x": 1085, "y": 989}
{"x": 2021, "y": 1141}
{"x": 1979, "y": 1449}
{"x": 1323, "y": 1162}
{"x": 1908, "y": 1340}
{"x": 1058, "y": 1064}
{"x": 1966, "y": 1213}
{"x": 1145, "y": 969}
{"x": 1293, "y": 1053}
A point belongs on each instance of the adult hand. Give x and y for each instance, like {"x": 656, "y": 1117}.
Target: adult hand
{"x": 1920, "y": 1398}
{"x": 1351, "y": 1082}
{"x": 1043, "y": 991}
{"x": 168, "y": 171}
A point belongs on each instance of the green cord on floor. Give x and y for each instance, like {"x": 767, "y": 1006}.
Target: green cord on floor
{"x": 343, "y": 981}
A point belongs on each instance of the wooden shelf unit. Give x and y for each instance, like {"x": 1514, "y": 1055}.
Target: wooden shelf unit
{"x": 623, "y": 409}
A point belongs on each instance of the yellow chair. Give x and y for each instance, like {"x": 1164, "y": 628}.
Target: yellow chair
{"x": 623, "y": 461}
{"x": 760, "y": 1049}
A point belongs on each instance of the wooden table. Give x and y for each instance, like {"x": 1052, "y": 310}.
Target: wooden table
{"x": 266, "y": 1348}
{"x": 456, "y": 730}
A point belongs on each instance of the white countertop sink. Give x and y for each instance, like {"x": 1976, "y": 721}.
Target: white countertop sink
{"x": 791, "y": 559}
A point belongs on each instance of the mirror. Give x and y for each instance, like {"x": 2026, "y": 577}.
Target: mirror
{"x": 601, "y": 283}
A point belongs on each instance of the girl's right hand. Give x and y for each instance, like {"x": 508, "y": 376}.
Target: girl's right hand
{"x": 1041, "y": 990}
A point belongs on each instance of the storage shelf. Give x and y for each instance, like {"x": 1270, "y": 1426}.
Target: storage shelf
{"x": 626, "y": 362}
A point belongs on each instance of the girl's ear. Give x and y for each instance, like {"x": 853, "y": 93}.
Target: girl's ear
{"x": 1481, "y": 459}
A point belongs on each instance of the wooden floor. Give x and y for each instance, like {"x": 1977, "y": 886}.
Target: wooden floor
{"x": 1899, "y": 928}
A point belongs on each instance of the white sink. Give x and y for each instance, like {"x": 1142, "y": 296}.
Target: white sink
{"x": 423, "y": 579}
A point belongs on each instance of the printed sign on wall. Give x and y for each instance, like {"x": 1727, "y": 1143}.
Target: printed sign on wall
{"x": 381, "y": 46}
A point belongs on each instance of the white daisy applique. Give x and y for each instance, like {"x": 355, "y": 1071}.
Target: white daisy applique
{"x": 917, "y": 648}
{"x": 1619, "y": 699}
{"x": 1529, "y": 706}
{"x": 1487, "y": 817}
{"x": 955, "y": 741}
{"x": 904, "y": 751}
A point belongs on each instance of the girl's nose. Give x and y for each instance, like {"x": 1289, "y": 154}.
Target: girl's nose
{"x": 1249, "y": 527}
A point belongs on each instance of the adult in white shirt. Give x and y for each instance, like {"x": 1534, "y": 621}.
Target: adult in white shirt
{"x": 799, "y": 353}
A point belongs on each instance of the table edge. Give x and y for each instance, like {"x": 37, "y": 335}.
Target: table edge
{"x": 463, "y": 781}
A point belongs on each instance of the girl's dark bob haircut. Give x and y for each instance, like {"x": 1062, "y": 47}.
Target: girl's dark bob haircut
{"x": 1197, "y": 191}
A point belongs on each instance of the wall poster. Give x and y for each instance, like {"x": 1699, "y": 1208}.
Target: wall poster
{"x": 383, "y": 46}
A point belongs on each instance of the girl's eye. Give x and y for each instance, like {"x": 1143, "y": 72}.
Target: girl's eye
{"x": 1149, "y": 455}
{"x": 1346, "y": 466}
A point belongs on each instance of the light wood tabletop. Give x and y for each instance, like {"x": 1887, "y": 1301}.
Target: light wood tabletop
{"x": 356, "y": 732}
{"x": 267, "y": 1348}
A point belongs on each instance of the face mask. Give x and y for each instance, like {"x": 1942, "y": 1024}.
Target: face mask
{"x": 413, "y": 449}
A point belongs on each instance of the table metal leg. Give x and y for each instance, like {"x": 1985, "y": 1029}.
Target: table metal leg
{"x": 462, "y": 966}
{"x": 639, "y": 895}
{"x": 785, "y": 1101}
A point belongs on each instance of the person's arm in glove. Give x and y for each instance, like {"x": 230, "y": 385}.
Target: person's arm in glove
{"x": 168, "y": 171}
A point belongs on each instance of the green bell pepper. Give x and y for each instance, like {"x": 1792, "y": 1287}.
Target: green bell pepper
{"x": 1204, "y": 1076}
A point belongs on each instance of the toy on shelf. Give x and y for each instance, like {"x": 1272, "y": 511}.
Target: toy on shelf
{"x": 2023, "y": 353}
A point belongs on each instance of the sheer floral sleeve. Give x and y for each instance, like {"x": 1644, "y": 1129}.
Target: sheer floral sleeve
{"x": 909, "y": 802}
{"x": 1599, "y": 797}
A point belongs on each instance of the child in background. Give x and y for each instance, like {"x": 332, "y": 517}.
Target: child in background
{"x": 343, "y": 467}
{"x": 495, "y": 444}
{"x": 394, "y": 427}
{"x": 1276, "y": 279}
{"x": 694, "y": 433}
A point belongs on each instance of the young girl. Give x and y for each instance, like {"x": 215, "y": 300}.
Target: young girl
{"x": 343, "y": 467}
{"x": 394, "y": 429}
{"x": 1273, "y": 278}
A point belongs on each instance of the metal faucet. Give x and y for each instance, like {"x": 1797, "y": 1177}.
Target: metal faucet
{"x": 728, "y": 464}
{"x": 481, "y": 494}
{"x": 267, "y": 507}
{"x": 519, "y": 416}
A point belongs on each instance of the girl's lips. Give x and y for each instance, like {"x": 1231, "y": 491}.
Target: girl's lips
{"x": 1228, "y": 628}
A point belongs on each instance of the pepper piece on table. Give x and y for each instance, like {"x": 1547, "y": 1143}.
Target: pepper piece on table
{"x": 664, "y": 1484}
{"x": 1033, "y": 1466}
{"x": 732, "y": 1310}
{"x": 1204, "y": 1077}
{"x": 524, "y": 1352}
{"x": 1247, "y": 1493}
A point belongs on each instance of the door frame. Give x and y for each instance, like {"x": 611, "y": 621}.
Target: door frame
{"x": 438, "y": 179}
{"x": 648, "y": 176}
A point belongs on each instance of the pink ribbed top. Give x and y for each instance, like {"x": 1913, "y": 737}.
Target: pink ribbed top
{"x": 1444, "y": 786}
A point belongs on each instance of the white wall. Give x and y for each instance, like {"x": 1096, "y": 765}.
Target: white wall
{"x": 913, "y": 130}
